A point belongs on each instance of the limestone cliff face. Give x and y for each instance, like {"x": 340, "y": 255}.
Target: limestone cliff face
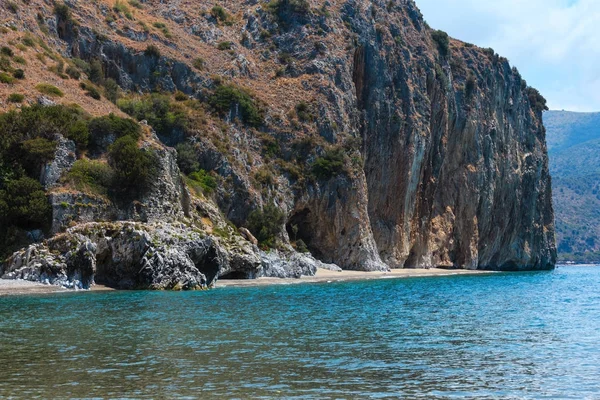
{"x": 444, "y": 153}
{"x": 457, "y": 175}
{"x": 455, "y": 160}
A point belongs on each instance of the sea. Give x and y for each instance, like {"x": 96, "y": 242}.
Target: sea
{"x": 500, "y": 336}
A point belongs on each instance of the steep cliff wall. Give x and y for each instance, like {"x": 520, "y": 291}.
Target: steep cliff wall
{"x": 384, "y": 143}
{"x": 455, "y": 154}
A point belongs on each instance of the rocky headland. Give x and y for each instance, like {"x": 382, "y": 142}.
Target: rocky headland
{"x": 261, "y": 139}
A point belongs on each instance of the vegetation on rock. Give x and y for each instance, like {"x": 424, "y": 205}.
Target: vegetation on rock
{"x": 266, "y": 223}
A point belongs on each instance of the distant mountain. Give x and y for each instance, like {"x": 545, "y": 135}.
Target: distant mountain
{"x": 574, "y": 148}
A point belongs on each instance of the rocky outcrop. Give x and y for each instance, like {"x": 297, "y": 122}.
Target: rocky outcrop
{"x": 64, "y": 159}
{"x": 166, "y": 199}
{"x": 160, "y": 256}
{"x": 134, "y": 256}
{"x": 296, "y": 265}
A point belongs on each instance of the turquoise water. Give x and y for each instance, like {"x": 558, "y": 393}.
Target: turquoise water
{"x": 531, "y": 335}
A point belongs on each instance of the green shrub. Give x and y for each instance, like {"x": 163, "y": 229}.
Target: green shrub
{"x": 112, "y": 125}
{"x": 537, "y": 101}
{"x": 226, "y": 96}
{"x": 73, "y": 72}
{"x": 163, "y": 28}
{"x": 19, "y": 60}
{"x": 50, "y": 90}
{"x": 34, "y": 153}
{"x": 19, "y": 74}
{"x": 36, "y": 121}
{"x": 180, "y": 96}
{"x": 471, "y": 85}
{"x": 39, "y": 150}
{"x": 266, "y": 224}
{"x": 90, "y": 176}
{"x": 330, "y": 165}
{"x": 63, "y": 12}
{"x": 207, "y": 182}
{"x": 23, "y": 203}
{"x": 12, "y": 7}
{"x": 187, "y": 159}
{"x": 6, "y": 78}
{"x": 79, "y": 132}
{"x": 92, "y": 92}
{"x": 6, "y": 51}
{"x": 82, "y": 65}
{"x": 5, "y": 64}
{"x": 221, "y": 15}
{"x": 16, "y": 98}
{"x": 96, "y": 72}
{"x": 301, "y": 246}
{"x": 442, "y": 40}
{"x": 28, "y": 41}
{"x": 134, "y": 168}
{"x": 112, "y": 90}
{"x": 120, "y": 7}
{"x": 165, "y": 116}
{"x": 225, "y": 45}
{"x": 199, "y": 63}
{"x": 286, "y": 10}
{"x": 136, "y": 4}
{"x": 152, "y": 51}
{"x": 441, "y": 76}
{"x": 303, "y": 111}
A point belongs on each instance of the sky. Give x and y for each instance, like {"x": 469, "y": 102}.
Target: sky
{"x": 554, "y": 43}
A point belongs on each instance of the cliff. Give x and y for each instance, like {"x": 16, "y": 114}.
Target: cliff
{"x": 348, "y": 129}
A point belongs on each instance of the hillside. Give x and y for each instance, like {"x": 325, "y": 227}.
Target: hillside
{"x": 196, "y": 141}
{"x": 574, "y": 147}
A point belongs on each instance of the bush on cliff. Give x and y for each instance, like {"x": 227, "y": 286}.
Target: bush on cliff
{"x": 202, "y": 181}
{"x": 23, "y": 203}
{"x": 32, "y": 123}
{"x": 134, "y": 168}
{"x": 329, "y": 165}
{"x": 537, "y": 101}
{"x": 34, "y": 153}
{"x": 287, "y": 11}
{"x": 187, "y": 159}
{"x": 226, "y": 97}
{"x": 266, "y": 224}
{"x": 113, "y": 126}
{"x": 165, "y": 116}
{"x": 90, "y": 176}
{"x": 442, "y": 40}
{"x": 221, "y": 15}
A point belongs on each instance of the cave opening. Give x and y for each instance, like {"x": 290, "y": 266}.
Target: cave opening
{"x": 301, "y": 231}
{"x": 208, "y": 264}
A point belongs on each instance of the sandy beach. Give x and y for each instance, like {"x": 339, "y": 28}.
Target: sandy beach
{"x": 335, "y": 276}
{"x": 16, "y": 287}
{"x": 12, "y": 286}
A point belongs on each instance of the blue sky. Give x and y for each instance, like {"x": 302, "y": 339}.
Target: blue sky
{"x": 554, "y": 43}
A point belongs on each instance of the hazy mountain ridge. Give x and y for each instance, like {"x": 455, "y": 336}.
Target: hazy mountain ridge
{"x": 574, "y": 150}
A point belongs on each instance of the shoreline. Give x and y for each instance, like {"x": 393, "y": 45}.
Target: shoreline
{"x": 327, "y": 276}
{"x": 10, "y": 287}
{"x": 20, "y": 287}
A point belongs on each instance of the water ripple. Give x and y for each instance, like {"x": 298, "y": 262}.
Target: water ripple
{"x": 504, "y": 336}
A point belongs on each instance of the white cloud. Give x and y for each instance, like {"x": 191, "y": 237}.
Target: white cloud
{"x": 552, "y": 42}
